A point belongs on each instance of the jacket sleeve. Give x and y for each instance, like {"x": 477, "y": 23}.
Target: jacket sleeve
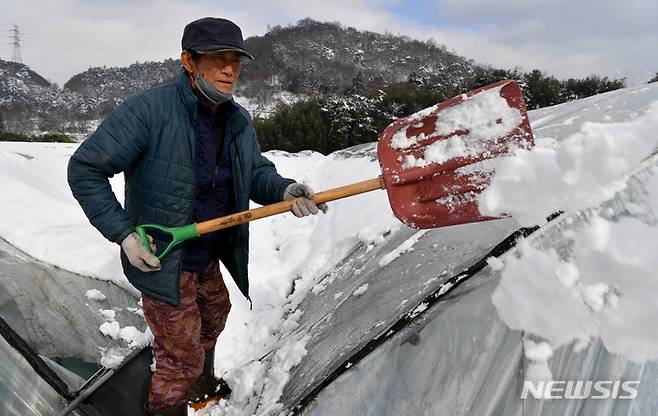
{"x": 267, "y": 185}
{"x": 114, "y": 147}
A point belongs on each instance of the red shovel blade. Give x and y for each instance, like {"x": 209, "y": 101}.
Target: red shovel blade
{"x": 428, "y": 159}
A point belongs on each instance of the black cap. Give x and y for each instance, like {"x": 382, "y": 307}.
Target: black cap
{"x": 212, "y": 35}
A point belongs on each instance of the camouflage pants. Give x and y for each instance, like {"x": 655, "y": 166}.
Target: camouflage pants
{"x": 184, "y": 332}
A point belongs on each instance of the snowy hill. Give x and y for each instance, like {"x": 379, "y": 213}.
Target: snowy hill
{"x": 29, "y": 103}
{"x": 325, "y": 58}
{"x": 323, "y": 287}
{"x": 107, "y": 87}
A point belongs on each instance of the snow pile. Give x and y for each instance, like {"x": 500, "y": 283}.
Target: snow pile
{"x": 285, "y": 358}
{"x": 584, "y": 170}
{"x": 603, "y": 283}
{"x": 605, "y": 289}
{"x": 131, "y": 336}
{"x": 537, "y": 354}
{"x": 44, "y": 220}
{"x": 266, "y": 379}
{"x": 485, "y": 116}
{"x": 405, "y": 247}
{"x": 95, "y": 294}
{"x": 112, "y": 357}
{"x": 361, "y": 290}
{"x": 419, "y": 309}
{"x": 108, "y": 314}
{"x": 134, "y": 337}
{"x": 495, "y": 263}
{"x": 111, "y": 329}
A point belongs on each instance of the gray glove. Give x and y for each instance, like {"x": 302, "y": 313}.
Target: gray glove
{"x": 139, "y": 255}
{"x": 305, "y": 205}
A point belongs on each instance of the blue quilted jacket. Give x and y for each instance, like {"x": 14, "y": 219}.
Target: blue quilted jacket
{"x": 150, "y": 137}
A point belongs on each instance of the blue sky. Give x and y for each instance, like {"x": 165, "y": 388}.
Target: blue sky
{"x": 424, "y": 12}
{"x": 563, "y": 38}
{"x": 430, "y": 13}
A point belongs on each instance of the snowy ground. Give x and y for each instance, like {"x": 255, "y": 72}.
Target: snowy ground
{"x": 575, "y": 165}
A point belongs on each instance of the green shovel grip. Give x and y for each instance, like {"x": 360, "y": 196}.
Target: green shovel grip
{"x": 178, "y": 235}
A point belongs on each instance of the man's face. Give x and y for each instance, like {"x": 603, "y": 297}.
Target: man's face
{"x": 221, "y": 69}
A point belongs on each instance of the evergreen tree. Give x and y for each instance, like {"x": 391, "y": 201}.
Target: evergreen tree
{"x": 540, "y": 90}
{"x": 332, "y": 122}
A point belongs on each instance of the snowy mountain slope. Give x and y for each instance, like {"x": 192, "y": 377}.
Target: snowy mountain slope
{"x": 29, "y": 103}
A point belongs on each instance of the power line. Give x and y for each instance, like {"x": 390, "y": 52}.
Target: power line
{"x": 39, "y": 32}
{"x": 91, "y": 42}
{"x": 27, "y": 42}
{"x": 102, "y": 38}
{"x": 101, "y": 50}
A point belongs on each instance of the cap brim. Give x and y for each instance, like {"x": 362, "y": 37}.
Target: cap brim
{"x": 221, "y": 48}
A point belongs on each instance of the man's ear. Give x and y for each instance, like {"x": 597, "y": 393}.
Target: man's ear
{"x": 188, "y": 62}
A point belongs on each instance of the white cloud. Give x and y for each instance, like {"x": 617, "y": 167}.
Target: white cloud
{"x": 564, "y": 37}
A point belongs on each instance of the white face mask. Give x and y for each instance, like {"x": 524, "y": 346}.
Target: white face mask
{"x": 210, "y": 93}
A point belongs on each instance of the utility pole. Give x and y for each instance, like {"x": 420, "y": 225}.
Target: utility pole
{"x": 16, "y": 41}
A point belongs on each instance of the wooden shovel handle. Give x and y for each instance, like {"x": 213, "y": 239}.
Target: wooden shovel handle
{"x": 285, "y": 206}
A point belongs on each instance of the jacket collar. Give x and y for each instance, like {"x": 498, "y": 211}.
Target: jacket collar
{"x": 186, "y": 94}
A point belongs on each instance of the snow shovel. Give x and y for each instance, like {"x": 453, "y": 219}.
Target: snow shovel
{"x": 434, "y": 163}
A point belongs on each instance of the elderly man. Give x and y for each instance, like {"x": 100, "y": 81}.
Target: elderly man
{"x": 188, "y": 153}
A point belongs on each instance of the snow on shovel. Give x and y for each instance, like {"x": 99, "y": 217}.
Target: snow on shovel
{"x": 434, "y": 163}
